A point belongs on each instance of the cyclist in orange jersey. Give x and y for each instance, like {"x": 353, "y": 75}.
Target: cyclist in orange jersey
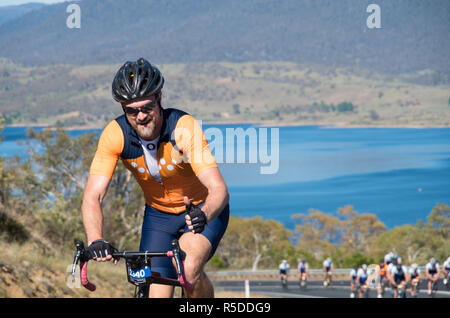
{"x": 168, "y": 155}
{"x": 382, "y": 274}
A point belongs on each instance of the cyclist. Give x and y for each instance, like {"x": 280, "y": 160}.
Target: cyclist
{"x": 446, "y": 270}
{"x": 432, "y": 272}
{"x": 382, "y": 274}
{"x": 168, "y": 155}
{"x": 362, "y": 280}
{"x": 388, "y": 258}
{"x": 284, "y": 270}
{"x": 353, "y": 279}
{"x": 328, "y": 268}
{"x": 392, "y": 263}
{"x": 414, "y": 273}
{"x": 303, "y": 270}
{"x": 399, "y": 278}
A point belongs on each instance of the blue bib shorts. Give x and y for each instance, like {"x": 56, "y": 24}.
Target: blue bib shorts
{"x": 160, "y": 228}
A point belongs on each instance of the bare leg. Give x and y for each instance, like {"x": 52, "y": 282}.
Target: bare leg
{"x": 197, "y": 248}
{"x": 160, "y": 291}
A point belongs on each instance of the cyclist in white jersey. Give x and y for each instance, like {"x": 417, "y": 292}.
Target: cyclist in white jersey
{"x": 399, "y": 274}
{"x": 328, "y": 268}
{"x": 284, "y": 270}
{"x": 391, "y": 265}
{"x": 353, "y": 280}
{"x": 446, "y": 270}
{"x": 362, "y": 279}
{"x": 432, "y": 272}
{"x": 414, "y": 273}
{"x": 388, "y": 258}
{"x": 303, "y": 270}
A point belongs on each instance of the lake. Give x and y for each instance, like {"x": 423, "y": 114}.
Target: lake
{"x": 399, "y": 174}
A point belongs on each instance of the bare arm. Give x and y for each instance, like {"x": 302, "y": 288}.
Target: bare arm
{"x": 218, "y": 196}
{"x": 91, "y": 208}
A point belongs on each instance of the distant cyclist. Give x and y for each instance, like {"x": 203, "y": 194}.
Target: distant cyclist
{"x": 392, "y": 263}
{"x": 328, "y": 268}
{"x": 284, "y": 271}
{"x": 388, "y": 258}
{"x": 399, "y": 278}
{"x": 362, "y": 280}
{"x": 446, "y": 270}
{"x": 353, "y": 281}
{"x": 432, "y": 273}
{"x": 382, "y": 275}
{"x": 414, "y": 273}
{"x": 303, "y": 271}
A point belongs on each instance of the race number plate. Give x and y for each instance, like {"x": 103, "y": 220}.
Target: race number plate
{"x": 139, "y": 273}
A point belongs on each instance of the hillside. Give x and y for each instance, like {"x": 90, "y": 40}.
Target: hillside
{"x": 413, "y": 36}
{"x": 271, "y": 93}
{"x": 8, "y": 13}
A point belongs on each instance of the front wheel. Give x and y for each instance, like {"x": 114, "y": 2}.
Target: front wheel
{"x": 141, "y": 291}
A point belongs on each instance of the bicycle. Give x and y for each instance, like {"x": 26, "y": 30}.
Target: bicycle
{"x": 327, "y": 281}
{"x": 138, "y": 266}
{"x": 302, "y": 282}
{"x": 401, "y": 293}
{"x": 447, "y": 280}
{"x": 414, "y": 285}
{"x": 284, "y": 282}
{"x": 398, "y": 289}
{"x": 384, "y": 286}
{"x": 434, "y": 287}
{"x": 361, "y": 290}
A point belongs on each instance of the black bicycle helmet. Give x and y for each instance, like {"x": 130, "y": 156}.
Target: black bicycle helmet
{"x": 136, "y": 79}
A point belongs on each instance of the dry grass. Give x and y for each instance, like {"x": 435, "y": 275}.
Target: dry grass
{"x": 26, "y": 272}
{"x": 273, "y": 93}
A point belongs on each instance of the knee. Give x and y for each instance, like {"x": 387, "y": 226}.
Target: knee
{"x": 193, "y": 271}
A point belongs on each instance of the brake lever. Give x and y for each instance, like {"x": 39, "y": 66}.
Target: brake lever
{"x": 180, "y": 256}
{"x": 80, "y": 248}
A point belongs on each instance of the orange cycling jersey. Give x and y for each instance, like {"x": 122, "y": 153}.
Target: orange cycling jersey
{"x": 182, "y": 154}
{"x": 382, "y": 270}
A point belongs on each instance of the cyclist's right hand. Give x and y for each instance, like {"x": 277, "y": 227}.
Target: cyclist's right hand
{"x": 101, "y": 251}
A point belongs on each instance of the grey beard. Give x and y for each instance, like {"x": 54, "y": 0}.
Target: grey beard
{"x": 145, "y": 132}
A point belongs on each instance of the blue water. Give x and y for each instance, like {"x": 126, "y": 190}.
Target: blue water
{"x": 399, "y": 174}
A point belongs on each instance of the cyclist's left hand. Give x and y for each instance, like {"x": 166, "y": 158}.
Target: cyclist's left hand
{"x": 195, "y": 217}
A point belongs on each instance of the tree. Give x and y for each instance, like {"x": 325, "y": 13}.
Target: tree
{"x": 10, "y": 228}
{"x": 61, "y": 164}
{"x": 359, "y": 230}
{"x": 439, "y": 218}
{"x": 374, "y": 115}
{"x": 254, "y": 242}
{"x": 317, "y": 232}
{"x": 418, "y": 243}
{"x": 345, "y": 107}
{"x": 338, "y": 236}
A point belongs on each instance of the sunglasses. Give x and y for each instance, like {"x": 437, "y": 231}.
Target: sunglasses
{"x": 147, "y": 108}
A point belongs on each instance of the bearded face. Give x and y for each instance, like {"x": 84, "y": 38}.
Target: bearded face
{"x": 145, "y": 116}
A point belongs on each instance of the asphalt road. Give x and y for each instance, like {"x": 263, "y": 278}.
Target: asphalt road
{"x": 314, "y": 289}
